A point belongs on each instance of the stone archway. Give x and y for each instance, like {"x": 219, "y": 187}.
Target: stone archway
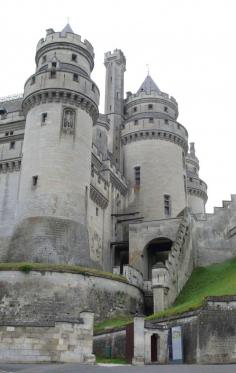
{"x": 157, "y": 250}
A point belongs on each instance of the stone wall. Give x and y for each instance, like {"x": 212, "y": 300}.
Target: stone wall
{"x": 110, "y": 344}
{"x": 214, "y": 235}
{"x": 38, "y": 296}
{"x": 208, "y": 333}
{"x": 67, "y": 342}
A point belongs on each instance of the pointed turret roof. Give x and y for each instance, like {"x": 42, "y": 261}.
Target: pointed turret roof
{"x": 66, "y": 29}
{"x": 149, "y": 86}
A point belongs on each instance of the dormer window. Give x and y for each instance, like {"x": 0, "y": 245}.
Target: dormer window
{"x": 74, "y": 57}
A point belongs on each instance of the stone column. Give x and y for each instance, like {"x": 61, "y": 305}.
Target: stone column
{"x": 138, "y": 358}
{"x": 160, "y": 285}
{"x": 88, "y": 317}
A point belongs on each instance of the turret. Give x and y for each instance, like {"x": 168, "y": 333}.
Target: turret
{"x": 154, "y": 146}
{"x": 196, "y": 187}
{"x": 61, "y": 104}
{"x": 114, "y": 97}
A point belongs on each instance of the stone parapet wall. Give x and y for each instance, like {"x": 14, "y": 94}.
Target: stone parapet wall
{"x": 48, "y": 296}
{"x": 62, "y": 341}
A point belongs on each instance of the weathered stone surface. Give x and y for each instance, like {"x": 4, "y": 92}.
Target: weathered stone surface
{"x": 38, "y": 296}
{"x": 64, "y": 342}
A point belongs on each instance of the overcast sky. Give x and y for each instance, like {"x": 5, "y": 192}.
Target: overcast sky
{"x": 188, "y": 44}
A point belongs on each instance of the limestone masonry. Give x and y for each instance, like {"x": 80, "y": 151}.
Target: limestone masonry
{"x": 117, "y": 191}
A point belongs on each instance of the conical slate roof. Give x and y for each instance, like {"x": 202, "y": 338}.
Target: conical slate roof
{"x": 149, "y": 86}
{"x": 66, "y": 29}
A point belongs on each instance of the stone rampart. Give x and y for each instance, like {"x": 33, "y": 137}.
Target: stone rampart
{"x": 47, "y": 296}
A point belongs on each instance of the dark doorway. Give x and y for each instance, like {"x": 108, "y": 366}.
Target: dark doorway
{"x": 157, "y": 251}
{"x": 121, "y": 257}
{"x": 154, "y": 347}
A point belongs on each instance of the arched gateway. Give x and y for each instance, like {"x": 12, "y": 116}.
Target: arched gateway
{"x": 157, "y": 250}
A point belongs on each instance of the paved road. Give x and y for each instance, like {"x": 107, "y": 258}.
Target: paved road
{"x": 75, "y": 368}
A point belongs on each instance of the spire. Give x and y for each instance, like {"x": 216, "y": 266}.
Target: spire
{"x": 66, "y": 29}
{"x": 149, "y": 86}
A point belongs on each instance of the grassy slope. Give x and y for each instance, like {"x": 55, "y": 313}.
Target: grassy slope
{"x": 217, "y": 279}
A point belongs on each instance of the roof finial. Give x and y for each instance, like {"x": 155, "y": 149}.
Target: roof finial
{"x": 68, "y": 20}
{"x": 147, "y": 69}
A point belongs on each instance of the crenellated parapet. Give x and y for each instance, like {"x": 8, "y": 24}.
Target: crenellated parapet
{"x": 141, "y": 101}
{"x": 196, "y": 187}
{"x": 64, "y": 40}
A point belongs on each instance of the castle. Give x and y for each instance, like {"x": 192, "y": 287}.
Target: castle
{"x": 117, "y": 192}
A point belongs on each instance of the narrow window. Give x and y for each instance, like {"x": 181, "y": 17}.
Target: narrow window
{"x": 166, "y": 109}
{"x": 74, "y": 57}
{"x": 6, "y": 133}
{"x": 137, "y": 175}
{"x": 150, "y": 106}
{"x": 44, "y": 58}
{"x": 54, "y": 64}
{"x": 53, "y": 74}
{"x": 135, "y": 109}
{"x": 93, "y": 87}
{"x": 166, "y": 121}
{"x": 111, "y": 79}
{"x": 35, "y": 180}
{"x": 110, "y": 107}
{"x": 76, "y": 77}
{"x": 32, "y": 80}
{"x": 185, "y": 185}
{"x": 167, "y": 205}
{"x": 191, "y": 179}
{"x": 136, "y": 122}
{"x": 12, "y": 145}
{"x": 97, "y": 210}
{"x": 44, "y": 118}
{"x": 183, "y": 159}
{"x": 150, "y": 120}
{"x": 11, "y": 133}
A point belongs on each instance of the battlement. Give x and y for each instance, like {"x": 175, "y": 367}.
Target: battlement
{"x": 133, "y": 96}
{"x": 116, "y": 55}
{"x": 68, "y": 37}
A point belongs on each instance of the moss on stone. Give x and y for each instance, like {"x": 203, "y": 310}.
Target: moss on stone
{"x": 60, "y": 268}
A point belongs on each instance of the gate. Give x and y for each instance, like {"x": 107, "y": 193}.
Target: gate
{"x": 129, "y": 343}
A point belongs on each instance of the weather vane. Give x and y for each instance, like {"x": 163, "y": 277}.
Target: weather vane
{"x": 147, "y": 68}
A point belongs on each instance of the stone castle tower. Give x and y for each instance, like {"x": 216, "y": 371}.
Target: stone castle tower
{"x": 60, "y": 104}
{"x": 118, "y": 191}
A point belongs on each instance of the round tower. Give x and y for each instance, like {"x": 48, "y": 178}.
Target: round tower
{"x": 196, "y": 187}
{"x": 154, "y": 146}
{"x": 60, "y": 104}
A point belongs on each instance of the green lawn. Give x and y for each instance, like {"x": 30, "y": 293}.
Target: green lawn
{"x": 216, "y": 279}
{"x": 113, "y": 323}
{"x": 113, "y": 360}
